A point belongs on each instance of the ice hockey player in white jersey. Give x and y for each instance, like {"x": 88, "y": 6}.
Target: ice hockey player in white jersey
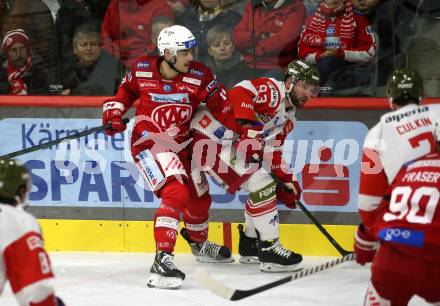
{"x": 400, "y": 136}
{"x": 255, "y": 120}
{"x": 23, "y": 261}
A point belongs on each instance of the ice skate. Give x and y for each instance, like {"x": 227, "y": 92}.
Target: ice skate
{"x": 275, "y": 258}
{"x": 208, "y": 252}
{"x": 164, "y": 273}
{"x": 247, "y": 248}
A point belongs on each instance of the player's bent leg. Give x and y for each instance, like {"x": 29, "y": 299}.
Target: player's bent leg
{"x": 164, "y": 273}
{"x": 196, "y": 233}
{"x": 393, "y": 278}
{"x": 261, "y": 208}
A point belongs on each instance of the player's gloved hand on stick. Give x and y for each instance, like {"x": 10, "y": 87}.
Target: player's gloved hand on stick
{"x": 365, "y": 245}
{"x": 112, "y": 114}
{"x": 289, "y": 198}
{"x": 250, "y": 144}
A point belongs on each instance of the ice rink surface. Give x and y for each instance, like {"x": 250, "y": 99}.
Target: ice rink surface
{"x": 119, "y": 279}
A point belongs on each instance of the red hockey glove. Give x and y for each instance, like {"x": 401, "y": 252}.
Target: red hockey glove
{"x": 365, "y": 245}
{"x": 112, "y": 114}
{"x": 289, "y": 198}
{"x": 250, "y": 145}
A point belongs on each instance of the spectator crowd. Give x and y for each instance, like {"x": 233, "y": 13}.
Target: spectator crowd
{"x": 83, "y": 47}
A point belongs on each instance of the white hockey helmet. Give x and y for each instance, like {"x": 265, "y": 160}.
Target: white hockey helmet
{"x": 175, "y": 38}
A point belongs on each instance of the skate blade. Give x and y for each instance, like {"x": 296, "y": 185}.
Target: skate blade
{"x": 204, "y": 259}
{"x": 162, "y": 282}
{"x": 274, "y": 268}
{"x": 249, "y": 260}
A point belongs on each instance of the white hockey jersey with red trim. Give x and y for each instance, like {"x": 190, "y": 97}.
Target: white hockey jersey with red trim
{"x": 262, "y": 100}
{"x": 400, "y": 136}
{"x": 24, "y": 261}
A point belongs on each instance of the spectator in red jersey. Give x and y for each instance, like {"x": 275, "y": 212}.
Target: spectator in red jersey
{"x": 23, "y": 259}
{"x": 268, "y": 33}
{"x": 20, "y": 76}
{"x": 334, "y": 38}
{"x": 126, "y": 29}
{"x": 35, "y": 18}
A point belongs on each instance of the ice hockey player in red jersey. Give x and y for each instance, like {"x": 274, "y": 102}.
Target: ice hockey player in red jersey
{"x": 255, "y": 121}
{"x": 170, "y": 88}
{"x": 407, "y": 222}
{"x": 23, "y": 261}
{"x": 402, "y": 135}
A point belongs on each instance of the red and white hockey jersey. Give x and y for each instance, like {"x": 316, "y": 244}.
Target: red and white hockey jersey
{"x": 400, "y": 136}
{"x": 24, "y": 262}
{"x": 166, "y": 105}
{"x": 259, "y": 100}
{"x": 409, "y": 215}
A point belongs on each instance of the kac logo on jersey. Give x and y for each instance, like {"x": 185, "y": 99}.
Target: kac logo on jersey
{"x": 143, "y": 65}
{"x": 167, "y": 87}
{"x": 171, "y": 98}
{"x": 171, "y": 115}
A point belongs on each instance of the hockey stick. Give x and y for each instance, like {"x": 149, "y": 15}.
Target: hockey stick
{"x": 59, "y": 140}
{"x": 231, "y": 294}
{"x": 329, "y": 237}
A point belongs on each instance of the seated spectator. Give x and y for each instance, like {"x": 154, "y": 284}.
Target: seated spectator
{"x": 203, "y": 15}
{"x": 178, "y": 7}
{"x": 20, "y": 77}
{"x": 35, "y": 18}
{"x": 268, "y": 33}
{"x": 336, "y": 38}
{"x": 92, "y": 70}
{"x": 158, "y": 24}
{"x": 125, "y": 31}
{"x": 73, "y": 13}
{"x": 227, "y": 63}
{"x": 365, "y": 7}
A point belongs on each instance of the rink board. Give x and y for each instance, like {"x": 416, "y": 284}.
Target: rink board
{"x": 137, "y": 236}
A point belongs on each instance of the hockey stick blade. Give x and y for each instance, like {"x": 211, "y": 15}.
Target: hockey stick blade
{"x": 218, "y": 288}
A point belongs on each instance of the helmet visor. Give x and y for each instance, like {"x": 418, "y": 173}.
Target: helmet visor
{"x": 312, "y": 90}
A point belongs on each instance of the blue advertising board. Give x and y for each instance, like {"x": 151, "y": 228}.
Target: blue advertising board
{"x": 98, "y": 171}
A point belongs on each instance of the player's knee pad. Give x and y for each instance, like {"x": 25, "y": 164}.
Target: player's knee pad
{"x": 175, "y": 196}
{"x": 196, "y": 217}
{"x": 262, "y": 201}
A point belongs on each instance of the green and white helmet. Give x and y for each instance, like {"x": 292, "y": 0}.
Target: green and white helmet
{"x": 302, "y": 71}
{"x": 405, "y": 86}
{"x": 14, "y": 181}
